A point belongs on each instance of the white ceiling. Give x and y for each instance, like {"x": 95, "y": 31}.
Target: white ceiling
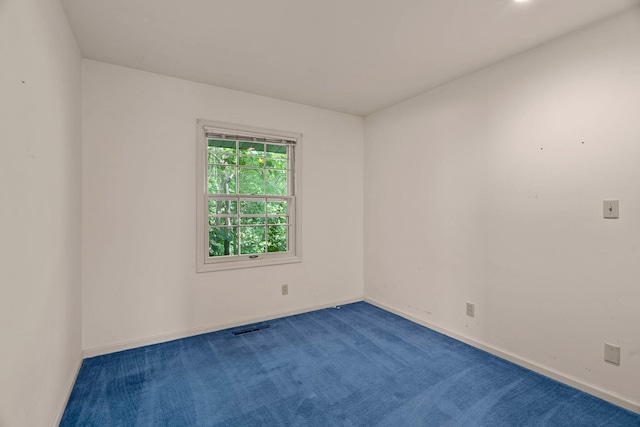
{"x": 353, "y": 56}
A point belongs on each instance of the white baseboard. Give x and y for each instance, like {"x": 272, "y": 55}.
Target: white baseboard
{"x": 126, "y": 345}
{"x": 594, "y": 390}
{"x": 67, "y": 392}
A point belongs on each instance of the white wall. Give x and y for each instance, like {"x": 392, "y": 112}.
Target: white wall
{"x": 139, "y": 198}
{"x": 483, "y": 190}
{"x": 40, "y": 323}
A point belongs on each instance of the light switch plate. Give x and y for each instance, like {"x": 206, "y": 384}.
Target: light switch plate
{"x": 612, "y": 354}
{"x": 611, "y": 209}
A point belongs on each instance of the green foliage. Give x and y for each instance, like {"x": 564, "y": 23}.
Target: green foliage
{"x": 223, "y": 241}
{"x": 253, "y": 240}
{"x": 277, "y": 238}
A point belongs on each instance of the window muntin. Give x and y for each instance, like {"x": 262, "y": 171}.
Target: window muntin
{"x": 250, "y": 199}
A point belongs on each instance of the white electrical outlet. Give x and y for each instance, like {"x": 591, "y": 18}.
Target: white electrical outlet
{"x": 285, "y": 289}
{"x": 471, "y": 310}
{"x": 612, "y": 354}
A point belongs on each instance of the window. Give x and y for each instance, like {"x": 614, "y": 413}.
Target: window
{"x": 247, "y": 194}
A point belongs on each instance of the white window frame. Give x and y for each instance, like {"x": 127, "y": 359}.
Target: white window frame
{"x": 206, "y": 263}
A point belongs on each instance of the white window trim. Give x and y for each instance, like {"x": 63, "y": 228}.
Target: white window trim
{"x": 202, "y": 217}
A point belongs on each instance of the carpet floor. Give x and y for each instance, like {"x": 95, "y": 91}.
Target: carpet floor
{"x": 356, "y": 365}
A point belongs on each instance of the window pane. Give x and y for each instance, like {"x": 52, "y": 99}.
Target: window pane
{"x": 279, "y": 207}
{"x": 277, "y": 238}
{"x": 277, "y": 220}
{"x": 277, "y": 151}
{"x": 253, "y": 240}
{"x": 221, "y": 221}
{"x": 276, "y": 163}
{"x": 222, "y": 180}
{"x": 223, "y": 207}
{"x": 252, "y": 208}
{"x": 223, "y": 241}
{"x": 251, "y": 148}
{"x": 251, "y": 181}
{"x": 221, "y": 158}
{"x": 252, "y": 220}
{"x": 222, "y": 145}
{"x": 277, "y": 182}
{"x": 256, "y": 162}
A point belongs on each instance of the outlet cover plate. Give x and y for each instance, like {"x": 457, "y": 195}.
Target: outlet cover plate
{"x": 471, "y": 310}
{"x": 612, "y": 354}
{"x": 285, "y": 289}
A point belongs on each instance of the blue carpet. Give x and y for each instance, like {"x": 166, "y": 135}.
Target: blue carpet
{"x": 352, "y": 366}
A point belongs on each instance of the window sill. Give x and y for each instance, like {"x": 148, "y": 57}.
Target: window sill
{"x": 235, "y": 265}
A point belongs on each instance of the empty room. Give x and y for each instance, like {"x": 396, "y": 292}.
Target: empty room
{"x": 320, "y": 213}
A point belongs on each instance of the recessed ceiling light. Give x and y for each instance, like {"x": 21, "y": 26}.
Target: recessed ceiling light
{"x": 521, "y": 1}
